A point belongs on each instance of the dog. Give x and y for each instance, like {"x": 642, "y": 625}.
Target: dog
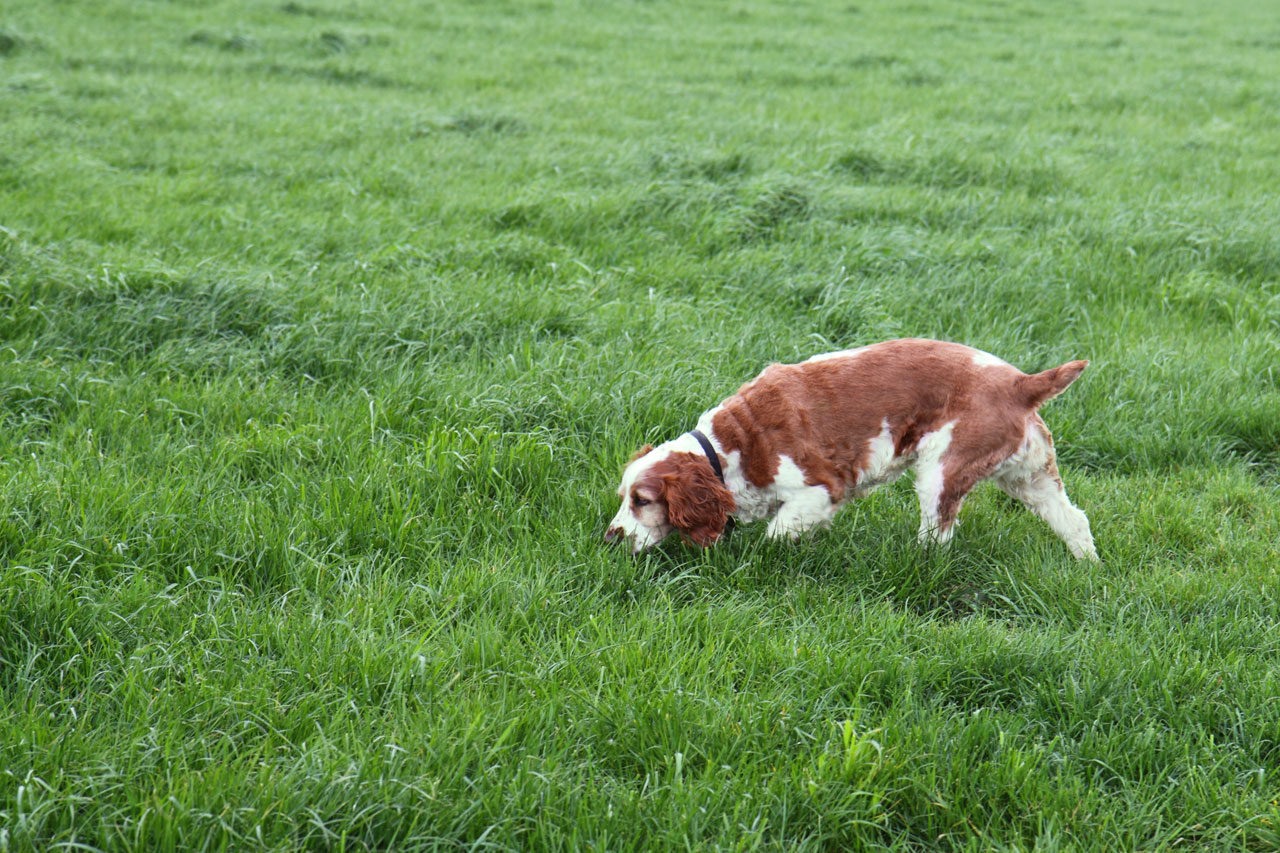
{"x": 798, "y": 441}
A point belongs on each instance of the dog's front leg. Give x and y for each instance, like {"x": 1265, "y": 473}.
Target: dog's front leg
{"x": 803, "y": 510}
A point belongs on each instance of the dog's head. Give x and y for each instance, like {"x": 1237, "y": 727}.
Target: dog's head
{"x": 666, "y": 490}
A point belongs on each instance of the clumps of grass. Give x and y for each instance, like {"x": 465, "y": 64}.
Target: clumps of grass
{"x": 690, "y": 206}
{"x": 872, "y": 60}
{"x": 295, "y": 8}
{"x": 1227, "y": 253}
{"x": 11, "y": 177}
{"x": 716, "y": 216}
{"x": 357, "y": 77}
{"x": 1210, "y": 296}
{"x": 332, "y": 41}
{"x": 1254, "y": 259}
{"x": 518, "y": 253}
{"x": 343, "y": 75}
{"x": 532, "y": 234}
{"x": 843, "y": 312}
{"x": 34, "y": 397}
{"x": 950, "y": 171}
{"x": 188, "y": 324}
{"x": 1267, "y": 42}
{"x": 861, "y": 164}
{"x": 230, "y": 42}
{"x": 130, "y": 314}
{"x": 474, "y": 123}
{"x": 947, "y": 170}
{"x": 684, "y": 166}
{"x": 772, "y": 206}
{"x": 1248, "y": 432}
{"x": 28, "y": 83}
{"x": 520, "y": 215}
{"x": 919, "y": 79}
{"x": 11, "y": 42}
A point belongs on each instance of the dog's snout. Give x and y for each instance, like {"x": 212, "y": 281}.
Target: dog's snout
{"x": 612, "y": 534}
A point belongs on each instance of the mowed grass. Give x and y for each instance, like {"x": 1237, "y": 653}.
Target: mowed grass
{"x": 325, "y": 328}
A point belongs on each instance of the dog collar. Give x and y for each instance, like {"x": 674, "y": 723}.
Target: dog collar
{"x": 710, "y": 452}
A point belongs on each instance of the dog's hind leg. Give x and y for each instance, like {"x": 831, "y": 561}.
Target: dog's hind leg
{"x": 1033, "y": 479}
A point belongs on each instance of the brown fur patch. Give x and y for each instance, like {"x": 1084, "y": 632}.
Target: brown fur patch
{"x": 698, "y": 504}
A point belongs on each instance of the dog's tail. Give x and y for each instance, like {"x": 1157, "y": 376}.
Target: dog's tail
{"x": 1034, "y": 390}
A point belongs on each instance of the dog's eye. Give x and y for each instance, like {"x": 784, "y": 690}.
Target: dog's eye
{"x": 641, "y": 502}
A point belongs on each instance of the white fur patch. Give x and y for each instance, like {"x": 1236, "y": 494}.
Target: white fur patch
{"x": 882, "y": 466}
{"x": 844, "y": 353}
{"x": 752, "y": 504}
{"x": 929, "y": 480}
{"x": 704, "y": 427}
{"x": 986, "y": 359}
{"x": 802, "y": 506}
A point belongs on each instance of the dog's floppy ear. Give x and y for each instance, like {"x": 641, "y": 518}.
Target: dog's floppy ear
{"x": 698, "y": 504}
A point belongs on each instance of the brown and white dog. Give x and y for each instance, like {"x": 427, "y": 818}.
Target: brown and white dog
{"x": 799, "y": 440}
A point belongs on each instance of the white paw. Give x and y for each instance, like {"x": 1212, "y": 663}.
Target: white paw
{"x": 779, "y": 530}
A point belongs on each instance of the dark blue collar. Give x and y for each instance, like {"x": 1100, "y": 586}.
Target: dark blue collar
{"x": 710, "y": 452}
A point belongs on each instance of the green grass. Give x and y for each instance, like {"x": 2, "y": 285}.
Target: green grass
{"x": 325, "y": 328}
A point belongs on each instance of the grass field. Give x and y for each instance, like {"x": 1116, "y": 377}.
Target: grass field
{"x": 326, "y": 327}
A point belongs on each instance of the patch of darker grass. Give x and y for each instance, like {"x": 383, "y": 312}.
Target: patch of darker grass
{"x": 717, "y": 168}
{"x": 872, "y": 60}
{"x": 517, "y": 216}
{"x": 1252, "y": 260}
{"x": 293, "y": 8}
{"x": 230, "y": 42}
{"x": 338, "y": 75}
{"x": 332, "y": 41}
{"x": 12, "y": 176}
{"x": 32, "y": 399}
{"x": 1225, "y": 299}
{"x": 357, "y": 77}
{"x": 131, "y": 314}
{"x": 687, "y": 203}
{"x": 473, "y": 123}
{"x": 1171, "y": 249}
{"x": 807, "y": 80}
{"x": 1249, "y": 434}
{"x": 773, "y": 207}
{"x": 1263, "y": 42}
{"x": 948, "y": 171}
{"x": 862, "y": 164}
{"x": 517, "y": 253}
{"x": 717, "y": 216}
{"x": 12, "y": 42}
{"x": 850, "y": 314}
{"x": 919, "y": 79}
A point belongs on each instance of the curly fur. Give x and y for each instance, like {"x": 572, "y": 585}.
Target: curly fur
{"x": 698, "y": 504}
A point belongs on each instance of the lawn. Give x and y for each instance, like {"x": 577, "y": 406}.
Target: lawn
{"x": 326, "y": 327}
